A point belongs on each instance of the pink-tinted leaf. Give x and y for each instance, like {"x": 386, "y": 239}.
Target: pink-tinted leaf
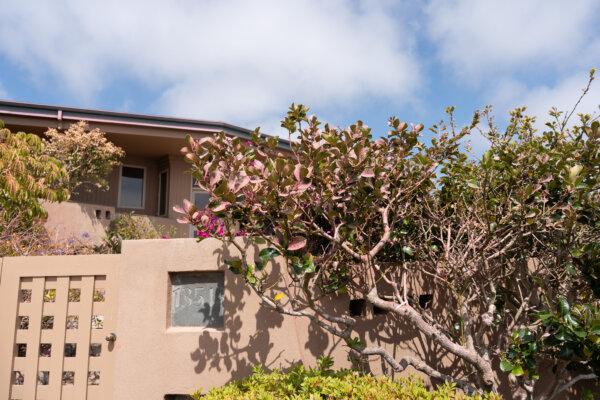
{"x": 188, "y": 207}
{"x": 183, "y": 220}
{"x": 238, "y": 183}
{"x": 222, "y": 206}
{"x": 317, "y": 144}
{"x": 297, "y": 170}
{"x": 179, "y": 210}
{"x": 368, "y": 173}
{"x": 190, "y": 156}
{"x": 215, "y": 177}
{"x": 297, "y": 243}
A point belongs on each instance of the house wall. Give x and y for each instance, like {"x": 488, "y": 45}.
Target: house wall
{"x": 78, "y": 216}
{"x": 110, "y": 197}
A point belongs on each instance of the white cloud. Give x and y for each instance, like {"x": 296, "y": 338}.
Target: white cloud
{"x": 539, "y": 99}
{"x": 234, "y": 60}
{"x": 479, "y": 39}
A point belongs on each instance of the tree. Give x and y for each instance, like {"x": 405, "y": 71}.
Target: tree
{"x": 29, "y": 174}
{"x": 507, "y": 242}
{"x": 86, "y": 154}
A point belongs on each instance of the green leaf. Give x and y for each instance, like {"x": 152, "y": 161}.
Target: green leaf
{"x": 517, "y": 370}
{"x": 472, "y": 183}
{"x": 258, "y": 240}
{"x": 506, "y": 365}
{"x": 235, "y": 265}
{"x": 563, "y": 306}
{"x": 309, "y": 264}
{"x": 260, "y": 264}
{"x": 268, "y": 253}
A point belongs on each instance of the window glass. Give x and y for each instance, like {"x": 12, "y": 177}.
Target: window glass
{"x": 201, "y": 200}
{"x": 132, "y": 187}
{"x": 162, "y": 194}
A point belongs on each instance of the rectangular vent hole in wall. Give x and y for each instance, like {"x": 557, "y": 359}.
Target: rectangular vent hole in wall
{"x": 70, "y": 349}
{"x": 99, "y": 295}
{"x": 47, "y": 322}
{"x": 107, "y": 214}
{"x": 73, "y": 322}
{"x": 25, "y": 296}
{"x": 177, "y": 397}
{"x": 95, "y": 349}
{"x": 74, "y": 295}
{"x": 425, "y": 300}
{"x": 18, "y": 378}
{"x": 43, "y": 377}
{"x": 23, "y": 322}
{"x": 21, "y": 349}
{"x": 49, "y": 295}
{"x": 68, "y": 378}
{"x": 98, "y": 214}
{"x": 93, "y": 378}
{"x": 357, "y": 307}
{"x": 97, "y": 321}
{"x": 45, "y": 349}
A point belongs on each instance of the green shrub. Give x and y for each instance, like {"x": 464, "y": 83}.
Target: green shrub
{"x": 133, "y": 227}
{"x": 302, "y": 383}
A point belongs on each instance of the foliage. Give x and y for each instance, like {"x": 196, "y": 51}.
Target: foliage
{"x": 308, "y": 383}
{"x": 22, "y": 236}
{"x": 133, "y": 227}
{"x": 29, "y": 175}
{"x": 571, "y": 335}
{"x": 87, "y": 155}
{"x": 500, "y": 239}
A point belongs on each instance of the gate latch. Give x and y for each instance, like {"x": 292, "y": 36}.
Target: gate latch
{"x": 111, "y": 337}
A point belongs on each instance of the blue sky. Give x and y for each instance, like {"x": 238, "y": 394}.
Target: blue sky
{"x": 244, "y": 62}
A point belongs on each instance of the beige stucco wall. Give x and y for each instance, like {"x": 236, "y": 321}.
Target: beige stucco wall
{"x": 153, "y": 359}
{"x": 78, "y": 216}
{"x": 78, "y": 221}
{"x": 150, "y": 359}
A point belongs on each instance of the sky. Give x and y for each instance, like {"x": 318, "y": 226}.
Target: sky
{"x": 244, "y": 62}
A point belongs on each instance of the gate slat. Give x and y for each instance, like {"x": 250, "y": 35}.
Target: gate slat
{"x": 58, "y": 338}
{"x": 83, "y": 338}
{"x": 33, "y": 345}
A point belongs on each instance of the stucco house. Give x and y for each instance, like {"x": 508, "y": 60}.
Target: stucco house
{"x": 152, "y": 178}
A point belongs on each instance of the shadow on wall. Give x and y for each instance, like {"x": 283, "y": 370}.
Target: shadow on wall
{"x": 237, "y": 348}
{"x": 224, "y": 351}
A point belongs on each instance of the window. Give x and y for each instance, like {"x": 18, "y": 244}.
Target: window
{"x": 163, "y": 192}
{"x": 131, "y": 190}
{"x": 197, "y": 299}
{"x": 201, "y": 200}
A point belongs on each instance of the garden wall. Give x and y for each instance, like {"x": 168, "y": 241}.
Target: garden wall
{"x": 180, "y": 322}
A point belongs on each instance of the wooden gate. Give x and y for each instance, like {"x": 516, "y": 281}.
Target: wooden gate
{"x": 57, "y": 318}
